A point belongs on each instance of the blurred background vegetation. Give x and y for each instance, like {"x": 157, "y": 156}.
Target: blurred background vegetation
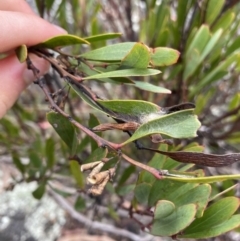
{"x": 206, "y": 33}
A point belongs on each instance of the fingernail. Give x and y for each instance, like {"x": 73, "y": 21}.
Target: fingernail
{"x": 60, "y": 29}
{"x": 40, "y": 64}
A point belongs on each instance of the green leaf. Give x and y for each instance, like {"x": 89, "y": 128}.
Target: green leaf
{"x": 40, "y": 190}
{"x": 163, "y": 56}
{"x": 181, "y": 124}
{"x": 210, "y": 179}
{"x": 210, "y": 76}
{"x": 84, "y": 97}
{"x": 88, "y": 71}
{"x": 199, "y": 41}
{"x": 49, "y": 152}
{"x": 61, "y": 41}
{"x": 192, "y": 63}
{"x": 163, "y": 209}
{"x": 235, "y": 45}
{"x": 80, "y": 204}
{"x": 78, "y": 175}
{"x": 133, "y": 108}
{"x": 141, "y": 192}
{"x": 124, "y": 73}
{"x": 17, "y": 162}
{"x": 102, "y": 37}
{"x": 126, "y": 174}
{"x": 161, "y": 190}
{"x": 150, "y": 87}
{"x": 198, "y": 195}
{"x": 93, "y": 121}
{"x": 175, "y": 222}
{"x": 228, "y": 225}
{"x": 214, "y": 8}
{"x": 214, "y": 216}
{"x": 225, "y": 21}
{"x": 35, "y": 160}
{"x": 195, "y": 58}
{"x": 115, "y": 52}
{"x": 22, "y": 53}
{"x": 157, "y": 162}
{"x": 97, "y": 155}
{"x": 64, "y": 128}
{"x": 138, "y": 57}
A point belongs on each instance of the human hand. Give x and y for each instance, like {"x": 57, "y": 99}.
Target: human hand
{"x": 20, "y": 25}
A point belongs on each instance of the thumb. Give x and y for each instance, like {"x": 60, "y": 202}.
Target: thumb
{"x": 15, "y": 77}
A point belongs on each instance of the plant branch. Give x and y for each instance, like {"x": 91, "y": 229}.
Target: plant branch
{"x": 156, "y": 173}
{"x": 95, "y": 224}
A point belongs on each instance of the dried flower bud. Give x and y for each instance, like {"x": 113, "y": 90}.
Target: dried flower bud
{"x": 97, "y": 190}
{"x": 89, "y": 166}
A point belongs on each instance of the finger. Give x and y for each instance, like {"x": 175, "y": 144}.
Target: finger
{"x": 14, "y": 78}
{"x": 20, "y": 28}
{"x": 15, "y": 6}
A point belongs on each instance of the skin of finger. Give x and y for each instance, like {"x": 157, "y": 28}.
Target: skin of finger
{"x": 15, "y": 6}
{"x": 12, "y": 81}
{"x": 20, "y": 28}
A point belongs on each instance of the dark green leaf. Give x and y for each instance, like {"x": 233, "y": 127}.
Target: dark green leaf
{"x": 17, "y": 162}
{"x": 78, "y": 175}
{"x": 64, "y": 128}
{"x": 49, "y": 151}
{"x": 39, "y": 192}
{"x": 80, "y": 204}
{"x": 126, "y": 174}
{"x": 35, "y": 160}
{"x": 93, "y": 121}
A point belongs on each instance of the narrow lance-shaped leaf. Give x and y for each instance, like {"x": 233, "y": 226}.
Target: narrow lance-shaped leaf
{"x": 199, "y": 158}
{"x": 150, "y": 87}
{"x": 61, "y": 41}
{"x": 124, "y": 73}
{"x": 214, "y": 216}
{"x": 78, "y": 175}
{"x": 213, "y": 10}
{"x": 199, "y": 40}
{"x": 102, "y": 37}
